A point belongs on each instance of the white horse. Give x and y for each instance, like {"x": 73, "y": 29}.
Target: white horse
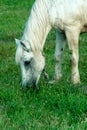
{"x": 69, "y": 18}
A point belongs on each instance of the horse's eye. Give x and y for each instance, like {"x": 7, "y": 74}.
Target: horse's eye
{"x": 27, "y": 63}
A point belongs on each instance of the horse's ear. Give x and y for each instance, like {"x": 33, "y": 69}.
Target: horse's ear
{"x": 25, "y": 46}
{"x": 17, "y": 42}
{"x": 19, "y": 51}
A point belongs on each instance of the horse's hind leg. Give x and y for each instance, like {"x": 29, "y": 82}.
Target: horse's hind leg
{"x": 60, "y": 45}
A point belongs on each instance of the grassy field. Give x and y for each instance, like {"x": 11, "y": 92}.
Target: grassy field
{"x": 62, "y": 106}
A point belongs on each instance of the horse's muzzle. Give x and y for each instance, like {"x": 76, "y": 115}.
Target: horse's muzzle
{"x": 26, "y": 85}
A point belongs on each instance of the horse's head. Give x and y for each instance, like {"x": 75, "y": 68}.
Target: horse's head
{"x": 31, "y": 63}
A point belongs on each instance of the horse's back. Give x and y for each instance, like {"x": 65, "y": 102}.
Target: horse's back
{"x": 63, "y": 12}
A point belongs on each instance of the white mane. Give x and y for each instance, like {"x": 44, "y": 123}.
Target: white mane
{"x": 38, "y": 25}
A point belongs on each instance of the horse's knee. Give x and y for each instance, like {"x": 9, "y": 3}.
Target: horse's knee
{"x": 74, "y": 60}
{"x": 75, "y": 71}
{"x": 57, "y": 57}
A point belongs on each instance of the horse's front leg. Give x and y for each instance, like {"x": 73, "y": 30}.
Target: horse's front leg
{"x": 73, "y": 39}
{"x": 60, "y": 45}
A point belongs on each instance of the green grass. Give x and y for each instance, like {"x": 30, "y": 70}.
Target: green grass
{"x": 62, "y": 106}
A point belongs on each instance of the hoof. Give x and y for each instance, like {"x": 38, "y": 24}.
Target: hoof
{"x": 52, "y": 82}
{"x": 76, "y": 80}
{"x": 55, "y": 79}
{"x": 83, "y": 90}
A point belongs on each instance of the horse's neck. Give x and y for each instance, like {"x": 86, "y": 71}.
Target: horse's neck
{"x": 38, "y": 25}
